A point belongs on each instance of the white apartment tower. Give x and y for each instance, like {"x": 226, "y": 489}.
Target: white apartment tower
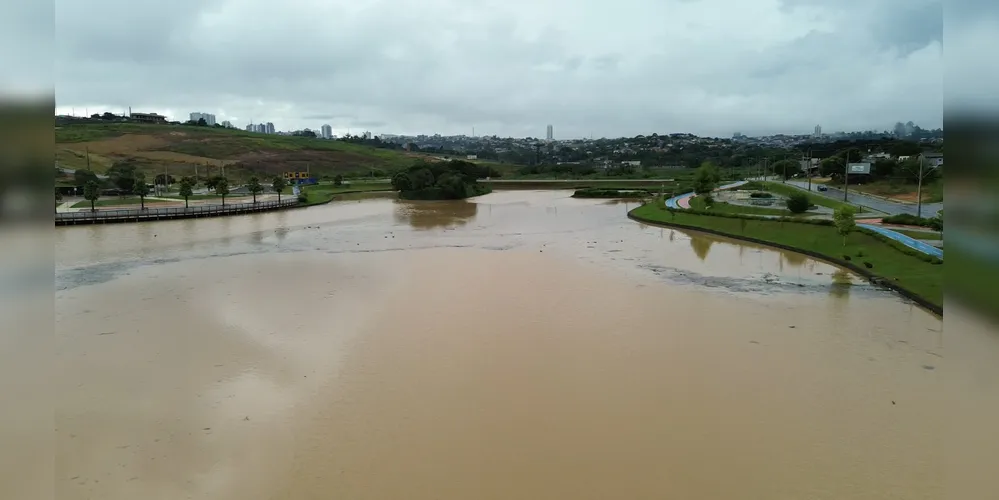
{"x": 327, "y": 132}
{"x": 208, "y": 117}
{"x": 818, "y": 130}
{"x": 550, "y": 133}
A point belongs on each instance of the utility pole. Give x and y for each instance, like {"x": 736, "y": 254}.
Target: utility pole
{"x": 808, "y": 169}
{"x": 846, "y": 175}
{"x": 919, "y": 189}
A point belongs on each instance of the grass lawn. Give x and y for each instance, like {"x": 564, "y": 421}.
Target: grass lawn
{"x": 919, "y": 235}
{"x": 111, "y": 202}
{"x": 321, "y": 193}
{"x": 205, "y": 196}
{"x": 697, "y": 203}
{"x": 787, "y": 190}
{"x": 918, "y": 276}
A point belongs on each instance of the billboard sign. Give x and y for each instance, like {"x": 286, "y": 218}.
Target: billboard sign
{"x": 859, "y": 168}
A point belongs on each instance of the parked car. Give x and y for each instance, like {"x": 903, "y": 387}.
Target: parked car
{"x": 822, "y": 188}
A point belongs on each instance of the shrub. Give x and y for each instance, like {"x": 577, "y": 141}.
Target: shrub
{"x": 709, "y": 200}
{"x": 759, "y": 194}
{"x": 798, "y": 203}
{"x": 935, "y": 223}
{"x": 846, "y": 257}
{"x": 302, "y": 198}
{"x": 868, "y": 265}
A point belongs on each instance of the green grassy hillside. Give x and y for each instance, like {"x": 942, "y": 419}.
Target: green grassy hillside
{"x": 178, "y": 149}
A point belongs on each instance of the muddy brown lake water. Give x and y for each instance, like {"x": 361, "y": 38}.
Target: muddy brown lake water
{"x": 521, "y": 345}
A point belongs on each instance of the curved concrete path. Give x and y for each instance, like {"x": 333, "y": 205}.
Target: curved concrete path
{"x": 683, "y": 201}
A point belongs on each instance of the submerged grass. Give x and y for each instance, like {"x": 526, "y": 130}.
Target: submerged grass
{"x": 917, "y": 275}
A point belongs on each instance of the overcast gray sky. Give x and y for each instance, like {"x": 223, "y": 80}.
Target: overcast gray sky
{"x": 510, "y": 67}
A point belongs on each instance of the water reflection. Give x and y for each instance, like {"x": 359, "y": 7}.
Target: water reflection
{"x": 701, "y": 245}
{"x": 842, "y": 282}
{"x": 424, "y": 215}
{"x": 794, "y": 259}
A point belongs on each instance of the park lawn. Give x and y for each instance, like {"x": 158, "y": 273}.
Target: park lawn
{"x": 919, "y": 235}
{"x": 822, "y": 201}
{"x": 911, "y": 272}
{"x": 204, "y": 196}
{"x": 322, "y": 193}
{"x": 112, "y": 202}
{"x": 697, "y": 203}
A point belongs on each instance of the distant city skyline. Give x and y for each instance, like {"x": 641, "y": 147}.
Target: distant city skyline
{"x": 269, "y": 127}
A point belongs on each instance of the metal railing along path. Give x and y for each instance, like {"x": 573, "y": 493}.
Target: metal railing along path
{"x": 140, "y": 215}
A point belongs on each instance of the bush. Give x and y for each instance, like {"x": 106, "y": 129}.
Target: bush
{"x": 709, "y": 200}
{"x": 760, "y": 195}
{"x": 868, "y": 265}
{"x": 846, "y": 257}
{"x": 935, "y": 223}
{"x": 302, "y": 198}
{"x": 798, "y": 203}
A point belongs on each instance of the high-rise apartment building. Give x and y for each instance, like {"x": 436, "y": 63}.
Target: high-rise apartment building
{"x": 551, "y": 133}
{"x": 818, "y": 130}
{"x": 269, "y": 128}
{"x": 326, "y": 132}
{"x": 208, "y": 117}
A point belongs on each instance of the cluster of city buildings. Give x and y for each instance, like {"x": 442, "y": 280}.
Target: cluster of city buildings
{"x": 261, "y": 128}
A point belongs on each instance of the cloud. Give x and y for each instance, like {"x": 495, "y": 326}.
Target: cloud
{"x": 510, "y": 68}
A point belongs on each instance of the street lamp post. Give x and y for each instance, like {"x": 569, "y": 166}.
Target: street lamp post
{"x": 919, "y": 189}
{"x": 846, "y": 175}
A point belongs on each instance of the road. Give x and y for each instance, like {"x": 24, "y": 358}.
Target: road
{"x": 881, "y": 205}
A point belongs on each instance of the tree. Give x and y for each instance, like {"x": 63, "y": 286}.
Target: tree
{"x": 279, "y": 184}
{"x": 709, "y": 201}
{"x": 402, "y": 182}
{"x": 82, "y": 177}
{"x": 452, "y": 186}
{"x": 786, "y": 168}
{"x": 422, "y": 178}
{"x": 91, "y": 192}
{"x": 830, "y": 166}
{"x": 122, "y": 175}
{"x": 107, "y": 116}
{"x": 338, "y": 180}
{"x": 202, "y": 122}
{"x": 211, "y": 182}
{"x": 186, "y": 189}
{"x": 163, "y": 179}
{"x": 706, "y": 178}
{"x": 798, "y": 203}
{"x": 844, "y": 221}
{"x": 58, "y": 198}
{"x": 140, "y": 188}
{"x": 222, "y": 188}
{"x": 254, "y": 186}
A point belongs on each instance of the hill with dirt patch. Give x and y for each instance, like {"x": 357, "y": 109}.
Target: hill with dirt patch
{"x": 181, "y": 149}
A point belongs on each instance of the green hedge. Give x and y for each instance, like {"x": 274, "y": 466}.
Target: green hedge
{"x": 935, "y": 223}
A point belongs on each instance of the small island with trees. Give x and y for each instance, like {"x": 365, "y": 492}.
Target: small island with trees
{"x": 451, "y": 180}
